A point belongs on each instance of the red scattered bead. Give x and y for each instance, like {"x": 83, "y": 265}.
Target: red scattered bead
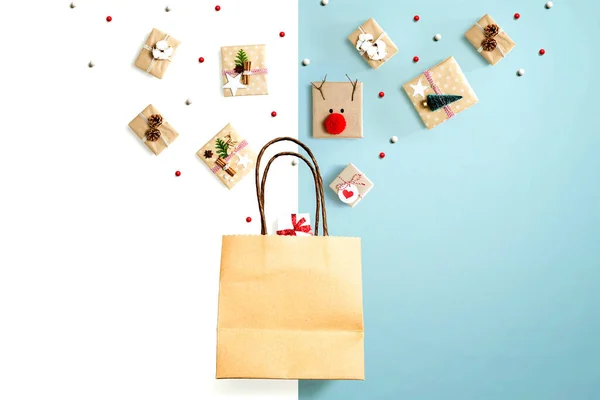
{"x": 201, "y": 59}
{"x": 542, "y": 52}
{"x": 382, "y": 155}
{"x": 281, "y": 34}
{"x": 273, "y": 114}
{"x": 517, "y": 15}
{"x": 217, "y": 8}
{"x": 248, "y": 219}
{"x": 381, "y": 94}
{"x": 416, "y": 18}
{"x": 177, "y": 173}
{"x": 108, "y": 19}
{"x": 416, "y": 59}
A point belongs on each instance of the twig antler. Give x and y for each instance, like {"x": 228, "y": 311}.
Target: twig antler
{"x": 320, "y": 88}
{"x": 353, "y": 85}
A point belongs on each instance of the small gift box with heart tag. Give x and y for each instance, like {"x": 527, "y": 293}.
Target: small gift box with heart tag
{"x": 337, "y": 109}
{"x": 228, "y": 156}
{"x": 244, "y": 70}
{"x": 156, "y": 55}
{"x": 440, "y": 93}
{"x": 351, "y": 185}
{"x": 151, "y": 127}
{"x": 294, "y": 225}
{"x": 490, "y": 40}
{"x": 372, "y": 43}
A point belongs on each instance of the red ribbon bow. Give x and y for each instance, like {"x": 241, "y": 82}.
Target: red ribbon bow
{"x": 346, "y": 184}
{"x": 297, "y": 226}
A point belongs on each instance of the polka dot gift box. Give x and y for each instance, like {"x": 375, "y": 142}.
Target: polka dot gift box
{"x": 490, "y": 40}
{"x": 228, "y": 156}
{"x": 244, "y": 70}
{"x": 440, "y": 93}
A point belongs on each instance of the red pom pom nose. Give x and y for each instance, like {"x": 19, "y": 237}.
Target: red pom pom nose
{"x": 335, "y": 124}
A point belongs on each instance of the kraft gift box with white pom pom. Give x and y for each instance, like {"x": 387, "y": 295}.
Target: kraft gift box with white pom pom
{"x": 248, "y": 64}
{"x": 372, "y": 43}
{"x": 158, "y": 52}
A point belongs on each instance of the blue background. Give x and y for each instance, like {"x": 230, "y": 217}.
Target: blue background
{"x": 480, "y": 238}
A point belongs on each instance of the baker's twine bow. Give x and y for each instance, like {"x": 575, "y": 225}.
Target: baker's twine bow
{"x": 346, "y": 184}
{"x": 161, "y": 51}
{"x": 153, "y": 133}
{"x": 489, "y": 43}
{"x": 297, "y": 226}
{"x": 374, "y": 49}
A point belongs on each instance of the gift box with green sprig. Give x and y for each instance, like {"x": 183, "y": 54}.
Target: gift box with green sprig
{"x": 244, "y": 70}
{"x": 228, "y": 156}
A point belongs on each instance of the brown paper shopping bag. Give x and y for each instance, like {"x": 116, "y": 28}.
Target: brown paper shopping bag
{"x": 290, "y": 307}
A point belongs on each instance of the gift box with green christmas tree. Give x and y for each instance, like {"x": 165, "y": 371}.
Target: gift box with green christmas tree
{"x": 244, "y": 70}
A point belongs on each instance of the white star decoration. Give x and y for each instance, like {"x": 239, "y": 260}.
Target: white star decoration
{"x": 243, "y": 160}
{"x": 419, "y": 89}
{"x": 233, "y": 83}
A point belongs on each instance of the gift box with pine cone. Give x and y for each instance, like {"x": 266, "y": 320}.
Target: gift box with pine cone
{"x": 153, "y": 129}
{"x": 228, "y": 156}
{"x": 244, "y": 70}
{"x": 440, "y": 93}
{"x": 491, "y": 41}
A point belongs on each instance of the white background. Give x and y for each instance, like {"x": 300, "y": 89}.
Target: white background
{"x": 109, "y": 263}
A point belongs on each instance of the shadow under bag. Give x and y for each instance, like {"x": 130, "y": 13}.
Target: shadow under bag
{"x": 290, "y": 307}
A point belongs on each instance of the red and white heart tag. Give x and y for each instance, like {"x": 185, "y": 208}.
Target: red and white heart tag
{"x": 348, "y": 194}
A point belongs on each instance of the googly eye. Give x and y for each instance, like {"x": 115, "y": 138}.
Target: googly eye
{"x": 331, "y": 111}
{"x": 342, "y": 110}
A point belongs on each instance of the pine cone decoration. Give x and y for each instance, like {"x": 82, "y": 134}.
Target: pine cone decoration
{"x": 239, "y": 69}
{"x": 491, "y": 30}
{"x": 152, "y": 134}
{"x": 489, "y": 44}
{"x": 155, "y": 120}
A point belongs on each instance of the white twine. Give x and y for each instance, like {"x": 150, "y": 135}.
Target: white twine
{"x": 145, "y": 138}
{"x": 167, "y": 36}
{"x": 479, "y": 50}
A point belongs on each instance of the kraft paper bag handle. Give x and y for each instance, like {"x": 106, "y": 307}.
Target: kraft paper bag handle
{"x": 320, "y": 194}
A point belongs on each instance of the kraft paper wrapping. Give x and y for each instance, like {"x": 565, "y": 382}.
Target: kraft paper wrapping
{"x": 372, "y": 27}
{"x": 475, "y": 36}
{"x": 241, "y": 158}
{"x": 159, "y": 67}
{"x": 338, "y": 97}
{"x": 359, "y": 189}
{"x": 140, "y": 126}
{"x": 290, "y": 308}
{"x": 257, "y": 57}
{"x": 449, "y": 79}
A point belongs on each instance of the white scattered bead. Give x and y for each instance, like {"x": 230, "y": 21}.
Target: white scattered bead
{"x": 437, "y": 37}
{"x": 188, "y": 101}
{"x": 394, "y": 139}
{"x": 306, "y": 61}
{"x": 91, "y": 64}
{"x": 294, "y": 162}
{"x": 324, "y": 2}
{"x": 72, "y": 5}
{"x": 167, "y": 8}
{"x": 521, "y": 72}
{"x": 549, "y": 5}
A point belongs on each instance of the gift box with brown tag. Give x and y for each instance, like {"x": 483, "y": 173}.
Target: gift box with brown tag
{"x": 156, "y": 55}
{"x": 351, "y": 185}
{"x": 153, "y": 129}
{"x": 228, "y": 156}
{"x": 440, "y": 93}
{"x": 490, "y": 40}
{"x": 372, "y": 43}
{"x": 337, "y": 109}
{"x": 244, "y": 70}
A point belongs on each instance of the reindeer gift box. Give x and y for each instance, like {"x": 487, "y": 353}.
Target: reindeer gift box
{"x": 337, "y": 109}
